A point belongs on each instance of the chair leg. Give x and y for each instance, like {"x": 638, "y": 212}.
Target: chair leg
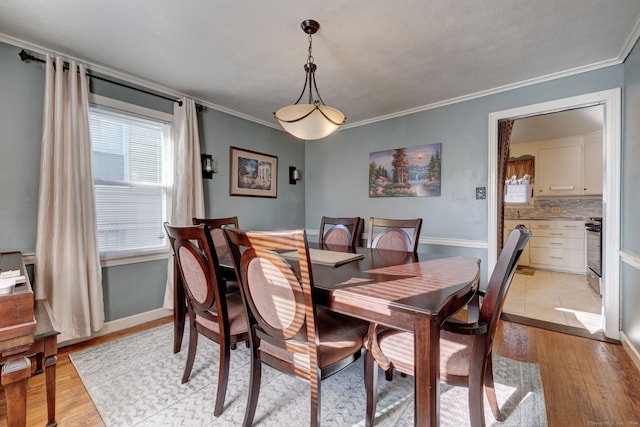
{"x": 254, "y": 391}
{"x": 388, "y": 374}
{"x": 490, "y": 390}
{"x": 476, "y": 401}
{"x": 315, "y": 401}
{"x": 191, "y": 355}
{"x": 371, "y": 387}
{"x": 223, "y": 376}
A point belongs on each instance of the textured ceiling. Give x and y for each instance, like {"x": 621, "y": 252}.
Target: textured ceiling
{"x": 375, "y": 58}
{"x": 562, "y": 124}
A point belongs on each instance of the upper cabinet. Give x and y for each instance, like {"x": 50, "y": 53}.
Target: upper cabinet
{"x": 569, "y": 166}
{"x": 559, "y": 171}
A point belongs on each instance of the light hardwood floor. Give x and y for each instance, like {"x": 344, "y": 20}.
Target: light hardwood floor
{"x": 586, "y": 382}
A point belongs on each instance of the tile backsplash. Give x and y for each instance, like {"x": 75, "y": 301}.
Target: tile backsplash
{"x": 555, "y": 208}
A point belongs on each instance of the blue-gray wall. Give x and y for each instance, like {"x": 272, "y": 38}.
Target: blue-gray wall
{"x": 630, "y": 199}
{"x": 21, "y": 102}
{"x": 134, "y": 288}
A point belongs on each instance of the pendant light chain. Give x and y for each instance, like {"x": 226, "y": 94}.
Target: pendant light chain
{"x": 311, "y": 68}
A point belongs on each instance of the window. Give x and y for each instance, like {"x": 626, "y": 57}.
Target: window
{"x": 131, "y": 172}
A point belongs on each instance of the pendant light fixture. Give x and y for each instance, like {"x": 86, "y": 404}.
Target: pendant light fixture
{"x": 313, "y": 120}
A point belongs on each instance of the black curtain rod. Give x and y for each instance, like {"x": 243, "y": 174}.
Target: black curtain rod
{"x": 27, "y": 57}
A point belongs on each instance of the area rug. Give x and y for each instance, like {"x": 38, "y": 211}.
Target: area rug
{"x": 135, "y": 381}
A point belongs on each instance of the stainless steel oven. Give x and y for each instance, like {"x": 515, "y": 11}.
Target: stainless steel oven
{"x": 594, "y": 253}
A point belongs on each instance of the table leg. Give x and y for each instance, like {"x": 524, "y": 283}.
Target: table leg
{"x": 427, "y": 375}
{"x": 14, "y": 377}
{"x": 179, "y": 308}
{"x": 50, "y": 361}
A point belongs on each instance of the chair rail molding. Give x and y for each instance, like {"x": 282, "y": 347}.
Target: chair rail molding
{"x": 426, "y": 240}
{"x": 630, "y": 259}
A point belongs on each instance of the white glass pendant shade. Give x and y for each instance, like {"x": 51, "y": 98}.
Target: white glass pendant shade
{"x": 309, "y": 121}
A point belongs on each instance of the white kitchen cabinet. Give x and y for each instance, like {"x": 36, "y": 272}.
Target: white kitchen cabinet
{"x": 572, "y": 169}
{"x": 559, "y": 171}
{"x": 558, "y": 246}
{"x": 592, "y": 165}
{"x": 509, "y": 225}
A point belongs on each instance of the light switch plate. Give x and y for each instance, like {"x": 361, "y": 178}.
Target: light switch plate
{"x": 481, "y": 193}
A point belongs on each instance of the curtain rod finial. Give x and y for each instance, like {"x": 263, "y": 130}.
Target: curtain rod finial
{"x": 24, "y": 56}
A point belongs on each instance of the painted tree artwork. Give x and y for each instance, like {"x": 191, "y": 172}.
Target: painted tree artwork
{"x": 406, "y": 172}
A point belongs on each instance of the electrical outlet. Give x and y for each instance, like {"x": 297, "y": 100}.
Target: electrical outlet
{"x": 481, "y": 193}
{"x": 555, "y": 209}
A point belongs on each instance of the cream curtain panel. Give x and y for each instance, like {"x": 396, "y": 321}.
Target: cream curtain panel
{"x": 67, "y": 270}
{"x": 187, "y": 199}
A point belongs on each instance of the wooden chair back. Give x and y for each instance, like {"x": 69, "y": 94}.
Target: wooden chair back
{"x": 340, "y": 231}
{"x": 394, "y": 234}
{"x": 279, "y": 296}
{"x": 215, "y": 227}
{"x": 500, "y": 280}
{"x": 198, "y": 264}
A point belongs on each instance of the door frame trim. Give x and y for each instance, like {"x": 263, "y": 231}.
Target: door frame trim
{"x": 611, "y": 100}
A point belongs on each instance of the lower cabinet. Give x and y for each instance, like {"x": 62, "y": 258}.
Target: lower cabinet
{"x": 558, "y": 246}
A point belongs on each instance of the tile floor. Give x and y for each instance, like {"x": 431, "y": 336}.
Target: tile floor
{"x": 562, "y": 298}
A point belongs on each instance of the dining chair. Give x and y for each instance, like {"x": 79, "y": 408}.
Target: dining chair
{"x": 213, "y": 313}
{"x": 340, "y": 231}
{"x": 287, "y": 330}
{"x": 465, "y": 347}
{"x": 393, "y": 234}
{"x": 220, "y": 242}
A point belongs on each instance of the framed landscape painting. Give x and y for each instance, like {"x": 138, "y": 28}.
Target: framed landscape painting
{"x": 406, "y": 172}
{"x": 252, "y": 174}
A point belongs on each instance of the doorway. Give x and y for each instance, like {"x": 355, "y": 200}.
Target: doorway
{"x": 551, "y": 288}
{"x": 610, "y": 100}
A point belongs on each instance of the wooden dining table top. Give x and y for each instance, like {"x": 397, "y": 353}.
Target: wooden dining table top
{"x": 417, "y": 282}
{"x": 409, "y": 283}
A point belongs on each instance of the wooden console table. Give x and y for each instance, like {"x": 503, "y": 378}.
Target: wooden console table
{"x": 27, "y": 327}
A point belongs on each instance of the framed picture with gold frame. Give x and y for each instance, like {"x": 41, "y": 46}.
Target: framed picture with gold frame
{"x": 252, "y": 174}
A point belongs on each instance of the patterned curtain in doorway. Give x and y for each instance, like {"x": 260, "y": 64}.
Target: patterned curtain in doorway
{"x": 504, "y": 138}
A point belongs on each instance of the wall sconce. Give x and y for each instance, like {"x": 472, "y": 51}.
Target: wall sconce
{"x": 294, "y": 175}
{"x": 207, "y": 166}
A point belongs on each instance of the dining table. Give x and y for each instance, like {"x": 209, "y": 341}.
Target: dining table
{"x": 414, "y": 292}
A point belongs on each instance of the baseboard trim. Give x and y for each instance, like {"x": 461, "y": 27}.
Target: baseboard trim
{"x": 631, "y": 350}
{"x": 124, "y": 323}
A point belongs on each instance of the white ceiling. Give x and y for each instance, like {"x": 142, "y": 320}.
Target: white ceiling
{"x": 376, "y": 58}
{"x": 562, "y": 124}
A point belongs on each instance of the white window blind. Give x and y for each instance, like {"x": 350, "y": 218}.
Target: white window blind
{"x": 131, "y": 178}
